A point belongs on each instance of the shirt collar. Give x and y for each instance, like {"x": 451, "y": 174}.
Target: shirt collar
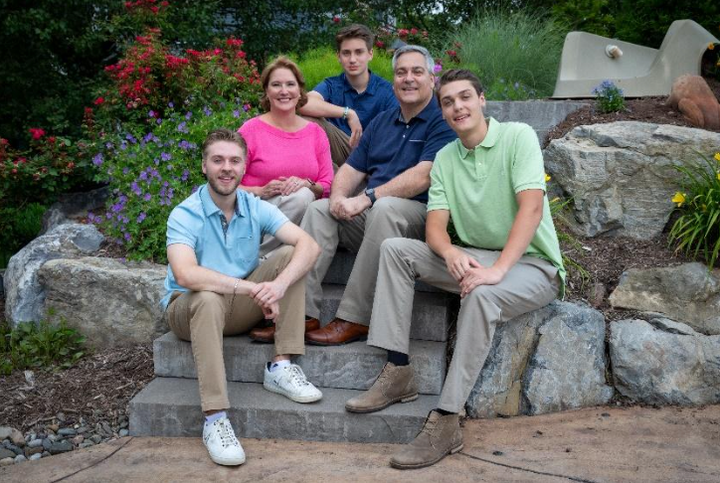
{"x": 424, "y": 115}
{"x": 490, "y": 138}
{"x": 209, "y": 206}
{"x": 368, "y": 90}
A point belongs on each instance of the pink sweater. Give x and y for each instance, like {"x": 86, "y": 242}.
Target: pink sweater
{"x": 273, "y": 152}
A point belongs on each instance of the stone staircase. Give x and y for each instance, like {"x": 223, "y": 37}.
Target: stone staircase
{"x": 170, "y": 404}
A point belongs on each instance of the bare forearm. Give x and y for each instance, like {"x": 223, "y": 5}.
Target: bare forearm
{"x": 317, "y": 107}
{"x": 438, "y": 239}
{"x": 346, "y": 182}
{"x": 521, "y": 234}
{"x": 198, "y": 279}
{"x": 409, "y": 184}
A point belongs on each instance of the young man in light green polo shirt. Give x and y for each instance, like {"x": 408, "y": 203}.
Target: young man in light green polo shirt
{"x": 491, "y": 182}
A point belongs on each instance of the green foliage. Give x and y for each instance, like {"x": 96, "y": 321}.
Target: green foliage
{"x": 43, "y": 345}
{"x": 697, "y": 230}
{"x": 609, "y": 97}
{"x": 515, "y": 47}
{"x": 592, "y": 16}
{"x": 154, "y": 167}
{"x": 322, "y": 62}
{"x": 18, "y": 226}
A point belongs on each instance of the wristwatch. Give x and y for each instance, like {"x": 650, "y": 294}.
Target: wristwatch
{"x": 370, "y": 193}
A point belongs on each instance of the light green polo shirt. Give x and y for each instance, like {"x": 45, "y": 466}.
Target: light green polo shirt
{"x": 478, "y": 187}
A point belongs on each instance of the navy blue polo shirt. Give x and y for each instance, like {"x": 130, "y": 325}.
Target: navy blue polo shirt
{"x": 390, "y": 146}
{"x": 378, "y": 97}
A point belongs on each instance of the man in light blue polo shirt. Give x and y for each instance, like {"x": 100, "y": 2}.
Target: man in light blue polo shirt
{"x": 215, "y": 286}
{"x": 351, "y": 100}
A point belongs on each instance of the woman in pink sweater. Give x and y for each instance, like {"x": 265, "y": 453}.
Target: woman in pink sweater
{"x": 288, "y": 158}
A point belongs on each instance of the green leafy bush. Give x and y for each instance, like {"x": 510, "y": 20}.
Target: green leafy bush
{"x": 43, "y": 345}
{"x": 18, "y": 226}
{"x": 152, "y": 168}
{"x": 518, "y": 47}
{"x": 697, "y": 230}
{"x": 609, "y": 97}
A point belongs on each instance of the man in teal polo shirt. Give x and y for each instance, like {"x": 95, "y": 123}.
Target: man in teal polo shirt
{"x": 215, "y": 287}
{"x": 491, "y": 183}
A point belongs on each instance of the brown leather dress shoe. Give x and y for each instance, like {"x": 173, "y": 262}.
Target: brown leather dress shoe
{"x": 337, "y": 332}
{"x": 267, "y": 334}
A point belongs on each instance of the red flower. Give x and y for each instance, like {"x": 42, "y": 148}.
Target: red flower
{"x": 51, "y": 139}
{"x": 70, "y": 165}
{"x": 128, "y": 5}
{"x": 379, "y": 44}
{"x": 88, "y": 111}
{"x": 232, "y": 42}
{"x": 451, "y": 53}
{"x": 154, "y": 9}
{"x": 403, "y": 32}
{"x": 241, "y": 54}
{"x": 3, "y": 142}
{"x": 413, "y": 30}
{"x": 336, "y": 19}
{"x": 165, "y": 4}
{"x": 99, "y": 101}
{"x": 37, "y": 133}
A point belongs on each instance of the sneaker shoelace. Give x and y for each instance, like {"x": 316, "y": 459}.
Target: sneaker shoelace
{"x": 297, "y": 376}
{"x": 227, "y": 435}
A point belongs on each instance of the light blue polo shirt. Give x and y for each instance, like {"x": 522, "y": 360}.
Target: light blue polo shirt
{"x": 198, "y": 223}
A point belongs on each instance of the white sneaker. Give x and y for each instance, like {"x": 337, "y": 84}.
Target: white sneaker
{"x": 290, "y": 381}
{"x": 221, "y": 443}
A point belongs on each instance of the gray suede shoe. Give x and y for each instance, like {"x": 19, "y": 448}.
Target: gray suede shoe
{"x": 439, "y": 437}
{"x": 394, "y": 384}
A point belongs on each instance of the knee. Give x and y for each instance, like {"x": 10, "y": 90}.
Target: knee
{"x": 397, "y": 246}
{"x": 207, "y": 306}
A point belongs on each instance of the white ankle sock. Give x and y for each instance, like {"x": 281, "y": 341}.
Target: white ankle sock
{"x": 214, "y": 417}
{"x": 279, "y": 364}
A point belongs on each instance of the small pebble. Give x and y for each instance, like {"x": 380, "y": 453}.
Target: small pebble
{"x": 47, "y": 442}
{"x": 605, "y": 415}
{"x": 77, "y": 439}
{"x": 53, "y": 427}
{"x": 96, "y": 438}
{"x": 34, "y": 457}
{"x": 45, "y": 453}
{"x": 35, "y": 443}
{"x": 82, "y": 429}
{"x": 86, "y": 444}
{"x": 61, "y": 447}
{"x": 497, "y": 453}
{"x": 123, "y": 433}
{"x": 20, "y": 458}
{"x": 67, "y": 432}
{"x": 7, "y": 461}
{"x": 31, "y": 451}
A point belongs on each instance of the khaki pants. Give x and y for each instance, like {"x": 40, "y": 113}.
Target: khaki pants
{"x": 203, "y": 318}
{"x": 531, "y": 284}
{"x": 293, "y": 206}
{"x": 388, "y": 218}
{"x": 339, "y": 141}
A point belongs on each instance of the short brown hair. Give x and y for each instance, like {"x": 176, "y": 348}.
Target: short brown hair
{"x": 281, "y": 62}
{"x": 223, "y": 134}
{"x": 454, "y": 75}
{"x": 355, "y": 31}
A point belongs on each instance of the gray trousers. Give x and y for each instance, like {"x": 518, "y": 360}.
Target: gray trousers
{"x": 388, "y": 218}
{"x": 530, "y": 284}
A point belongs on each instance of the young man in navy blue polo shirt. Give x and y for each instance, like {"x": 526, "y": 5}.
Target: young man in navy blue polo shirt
{"x": 394, "y": 158}
{"x": 352, "y": 99}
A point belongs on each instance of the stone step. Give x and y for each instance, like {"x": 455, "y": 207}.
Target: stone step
{"x": 342, "y": 265}
{"x": 351, "y": 366}
{"x": 541, "y": 115}
{"x": 430, "y": 312}
{"x": 171, "y": 407}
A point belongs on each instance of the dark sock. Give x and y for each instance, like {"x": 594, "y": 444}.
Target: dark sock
{"x": 443, "y": 412}
{"x": 398, "y": 358}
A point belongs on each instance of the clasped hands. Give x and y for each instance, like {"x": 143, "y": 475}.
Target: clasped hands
{"x": 344, "y": 208}
{"x": 284, "y": 186}
{"x": 469, "y": 273}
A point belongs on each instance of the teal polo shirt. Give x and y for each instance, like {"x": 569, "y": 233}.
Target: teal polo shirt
{"x": 478, "y": 187}
{"x": 234, "y": 250}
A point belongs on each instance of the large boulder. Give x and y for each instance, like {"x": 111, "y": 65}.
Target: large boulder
{"x": 24, "y": 296}
{"x": 664, "y": 362}
{"x": 547, "y": 360}
{"x": 689, "y": 293}
{"x": 620, "y": 175}
{"x": 71, "y": 205}
{"x": 110, "y": 302}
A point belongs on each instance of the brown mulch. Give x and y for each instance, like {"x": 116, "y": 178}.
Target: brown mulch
{"x": 98, "y": 388}
{"x": 646, "y": 109}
